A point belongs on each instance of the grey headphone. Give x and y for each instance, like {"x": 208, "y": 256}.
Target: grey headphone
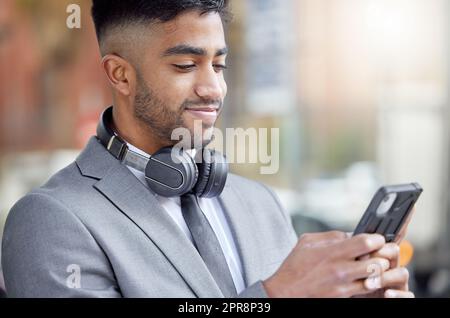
{"x": 170, "y": 172}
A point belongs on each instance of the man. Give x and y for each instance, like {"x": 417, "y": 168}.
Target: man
{"x": 99, "y": 228}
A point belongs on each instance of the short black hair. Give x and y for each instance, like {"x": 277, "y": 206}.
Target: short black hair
{"x": 112, "y": 13}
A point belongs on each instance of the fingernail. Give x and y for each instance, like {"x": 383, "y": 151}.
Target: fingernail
{"x": 385, "y": 264}
{"x": 379, "y": 239}
{"x": 376, "y": 240}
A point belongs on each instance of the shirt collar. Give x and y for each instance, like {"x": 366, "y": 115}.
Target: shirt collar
{"x": 191, "y": 152}
{"x": 137, "y": 150}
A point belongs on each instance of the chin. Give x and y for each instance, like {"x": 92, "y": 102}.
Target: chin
{"x": 188, "y": 137}
{"x": 206, "y": 138}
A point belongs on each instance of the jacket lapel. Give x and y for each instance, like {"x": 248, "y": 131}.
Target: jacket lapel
{"x": 241, "y": 221}
{"x": 133, "y": 199}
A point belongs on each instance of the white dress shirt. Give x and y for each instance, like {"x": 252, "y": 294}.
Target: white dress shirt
{"x": 214, "y": 213}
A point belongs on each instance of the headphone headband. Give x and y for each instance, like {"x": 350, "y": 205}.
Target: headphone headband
{"x": 113, "y": 143}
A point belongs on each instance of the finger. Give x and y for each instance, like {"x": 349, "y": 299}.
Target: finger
{"x": 392, "y": 293}
{"x": 322, "y": 239}
{"x": 364, "y": 257}
{"x": 373, "y": 267}
{"x": 355, "y": 288}
{"x": 391, "y": 252}
{"x": 357, "y": 246}
{"x": 374, "y": 280}
{"x": 397, "y": 278}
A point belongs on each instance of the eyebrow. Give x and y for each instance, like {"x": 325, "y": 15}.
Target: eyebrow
{"x": 184, "y": 49}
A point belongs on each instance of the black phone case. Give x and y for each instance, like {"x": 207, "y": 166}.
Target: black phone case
{"x": 389, "y": 224}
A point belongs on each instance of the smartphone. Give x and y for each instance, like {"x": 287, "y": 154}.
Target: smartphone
{"x": 388, "y": 210}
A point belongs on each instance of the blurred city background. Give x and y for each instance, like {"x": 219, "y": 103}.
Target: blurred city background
{"x": 359, "y": 90}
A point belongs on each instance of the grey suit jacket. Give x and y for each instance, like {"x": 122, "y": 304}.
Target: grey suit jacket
{"x": 94, "y": 230}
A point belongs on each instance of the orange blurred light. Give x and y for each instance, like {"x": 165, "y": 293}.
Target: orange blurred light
{"x": 406, "y": 253}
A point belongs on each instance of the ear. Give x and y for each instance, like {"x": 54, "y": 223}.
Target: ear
{"x": 120, "y": 73}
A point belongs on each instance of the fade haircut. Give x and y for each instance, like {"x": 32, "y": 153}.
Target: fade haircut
{"x": 110, "y": 14}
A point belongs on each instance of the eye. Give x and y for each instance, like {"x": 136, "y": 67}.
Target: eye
{"x": 184, "y": 67}
{"x": 220, "y": 67}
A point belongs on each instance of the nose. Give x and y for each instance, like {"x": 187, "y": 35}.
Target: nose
{"x": 210, "y": 85}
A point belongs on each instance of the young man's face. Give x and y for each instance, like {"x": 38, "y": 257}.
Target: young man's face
{"x": 180, "y": 79}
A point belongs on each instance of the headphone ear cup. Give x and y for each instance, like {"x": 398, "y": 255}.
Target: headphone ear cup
{"x": 171, "y": 172}
{"x": 213, "y": 172}
{"x": 204, "y": 171}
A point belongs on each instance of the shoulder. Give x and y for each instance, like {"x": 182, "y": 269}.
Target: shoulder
{"x": 258, "y": 197}
{"x": 49, "y": 203}
{"x": 245, "y": 184}
{"x": 43, "y": 235}
{"x": 251, "y": 188}
{"x": 265, "y": 209}
{"x": 47, "y": 216}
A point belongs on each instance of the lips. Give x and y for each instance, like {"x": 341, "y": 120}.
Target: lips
{"x": 208, "y": 115}
{"x": 203, "y": 109}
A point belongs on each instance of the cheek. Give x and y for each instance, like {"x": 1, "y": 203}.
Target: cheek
{"x": 171, "y": 89}
{"x": 171, "y": 96}
{"x": 176, "y": 92}
{"x": 224, "y": 87}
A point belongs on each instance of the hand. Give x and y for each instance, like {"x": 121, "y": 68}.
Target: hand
{"x": 326, "y": 265}
{"x": 392, "y": 283}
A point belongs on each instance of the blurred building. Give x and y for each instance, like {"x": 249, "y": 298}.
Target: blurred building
{"x": 52, "y": 88}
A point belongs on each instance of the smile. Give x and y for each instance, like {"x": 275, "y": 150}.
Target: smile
{"x": 208, "y": 115}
